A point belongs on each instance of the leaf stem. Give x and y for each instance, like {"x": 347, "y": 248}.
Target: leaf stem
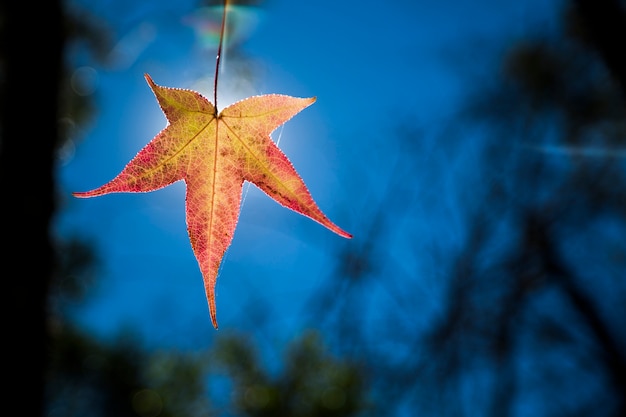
{"x": 219, "y": 54}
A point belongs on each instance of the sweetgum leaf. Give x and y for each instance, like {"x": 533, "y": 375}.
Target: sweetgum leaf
{"x": 214, "y": 154}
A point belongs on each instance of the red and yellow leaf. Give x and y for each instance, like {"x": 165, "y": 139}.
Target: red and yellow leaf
{"x": 214, "y": 154}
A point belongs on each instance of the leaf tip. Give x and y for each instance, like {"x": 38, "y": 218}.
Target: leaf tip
{"x": 149, "y": 80}
{"x": 212, "y": 308}
{"x": 93, "y": 193}
{"x": 342, "y": 232}
{"x": 81, "y": 194}
{"x": 334, "y": 228}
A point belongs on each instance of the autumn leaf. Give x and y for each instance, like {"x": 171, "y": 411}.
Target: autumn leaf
{"x": 214, "y": 154}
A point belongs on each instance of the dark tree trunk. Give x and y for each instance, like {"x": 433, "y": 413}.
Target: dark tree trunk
{"x": 605, "y": 25}
{"x": 31, "y": 51}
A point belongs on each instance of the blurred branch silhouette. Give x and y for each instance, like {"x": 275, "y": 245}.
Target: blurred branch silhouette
{"x": 531, "y": 318}
{"x": 602, "y": 23}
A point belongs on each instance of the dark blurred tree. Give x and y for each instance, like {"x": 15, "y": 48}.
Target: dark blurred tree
{"x": 31, "y": 36}
{"x": 35, "y": 97}
{"x": 532, "y": 320}
{"x": 544, "y": 319}
{"x": 602, "y": 25}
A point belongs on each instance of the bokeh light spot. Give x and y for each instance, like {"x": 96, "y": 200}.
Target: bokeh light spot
{"x": 84, "y": 81}
{"x": 147, "y": 403}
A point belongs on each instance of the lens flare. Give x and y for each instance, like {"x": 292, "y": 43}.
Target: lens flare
{"x": 206, "y": 23}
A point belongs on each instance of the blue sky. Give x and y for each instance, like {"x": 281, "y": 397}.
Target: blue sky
{"x": 373, "y": 67}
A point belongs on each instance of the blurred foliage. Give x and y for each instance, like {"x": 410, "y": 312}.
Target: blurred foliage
{"x": 88, "y": 377}
{"x": 312, "y": 382}
{"x": 530, "y": 320}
